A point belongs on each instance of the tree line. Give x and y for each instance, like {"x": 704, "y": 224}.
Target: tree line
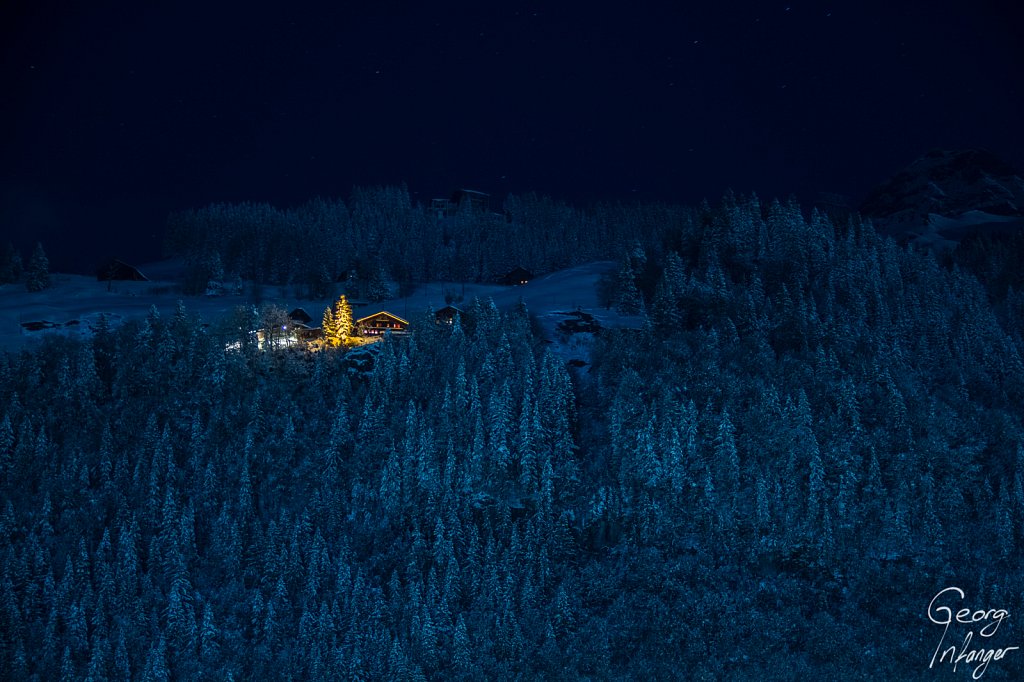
{"x": 35, "y": 275}
{"x": 379, "y": 235}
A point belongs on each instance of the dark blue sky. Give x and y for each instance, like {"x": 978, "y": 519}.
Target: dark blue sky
{"x": 115, "y": 115}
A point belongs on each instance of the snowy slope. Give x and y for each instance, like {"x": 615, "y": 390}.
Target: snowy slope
{"x": 561, "y": 290}
{"x": 74, "y": 302}
{"x": 548, "y": 298}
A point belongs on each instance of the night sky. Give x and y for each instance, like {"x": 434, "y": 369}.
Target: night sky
{"x": 116, "y": 113}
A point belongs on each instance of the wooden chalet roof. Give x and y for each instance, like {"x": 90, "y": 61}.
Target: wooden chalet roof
{"x": 447, "y": 314}
{"x": 370, "y": 318}
{"x": 450, "y": 310}
{"x": 300, "y": 315}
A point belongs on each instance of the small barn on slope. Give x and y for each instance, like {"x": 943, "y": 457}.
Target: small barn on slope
{"x": 119, "y": 270}
{"x": 517, "y": 277}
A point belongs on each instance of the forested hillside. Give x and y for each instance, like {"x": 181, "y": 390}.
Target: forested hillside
{"x": 813, "y": 434}
{"x": 380, "y": 234}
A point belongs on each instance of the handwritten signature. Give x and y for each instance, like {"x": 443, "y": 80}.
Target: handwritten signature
{"x": 985, "y": 621}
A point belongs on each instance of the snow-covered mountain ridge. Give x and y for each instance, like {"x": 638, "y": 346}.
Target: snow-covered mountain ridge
{"x": 945, "y": 196}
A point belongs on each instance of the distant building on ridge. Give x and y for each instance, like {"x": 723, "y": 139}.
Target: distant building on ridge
{"x": 517, "y": 277}
{"x": 119, "y": 270}
{"x": 461, "y": 199}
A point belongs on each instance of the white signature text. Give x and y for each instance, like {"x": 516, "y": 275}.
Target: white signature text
{"x": 985, "y": 622}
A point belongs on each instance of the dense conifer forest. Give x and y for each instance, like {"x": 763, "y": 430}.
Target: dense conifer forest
{"x": 814, "y": 431}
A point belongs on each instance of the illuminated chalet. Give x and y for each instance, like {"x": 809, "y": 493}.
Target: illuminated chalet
{"x": 380, "y": 323}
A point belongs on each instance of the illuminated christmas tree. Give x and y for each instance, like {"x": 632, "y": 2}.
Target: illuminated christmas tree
{"x": 337, "y": 323}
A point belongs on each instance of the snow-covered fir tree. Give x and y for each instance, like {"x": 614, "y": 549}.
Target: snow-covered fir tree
{"x": 37, "y": 274}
